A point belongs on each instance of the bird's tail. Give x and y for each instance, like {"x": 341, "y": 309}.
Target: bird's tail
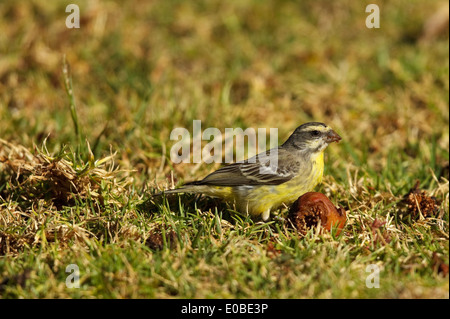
{"x": 149, "y": 203}
{"x": 197, "y": 188}
{"x": 184, "y": 189}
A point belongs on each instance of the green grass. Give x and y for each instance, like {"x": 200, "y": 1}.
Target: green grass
{"x": 81, "y": 152}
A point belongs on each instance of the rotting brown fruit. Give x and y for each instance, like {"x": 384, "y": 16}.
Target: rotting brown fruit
{"x": 311, "y": 208}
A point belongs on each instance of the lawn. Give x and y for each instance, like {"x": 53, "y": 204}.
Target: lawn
{"x": 85, "y": 121}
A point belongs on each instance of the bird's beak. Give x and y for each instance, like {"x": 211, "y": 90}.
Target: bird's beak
{"x": 332, "y": 136}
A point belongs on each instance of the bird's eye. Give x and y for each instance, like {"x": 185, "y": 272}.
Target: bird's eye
{"x": 315, "y": 133}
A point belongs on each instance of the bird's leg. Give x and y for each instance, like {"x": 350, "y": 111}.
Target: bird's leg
{"x": 265, "y": 215}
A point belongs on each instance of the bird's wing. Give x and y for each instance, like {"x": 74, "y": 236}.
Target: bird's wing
{"x": 269, "y": 168}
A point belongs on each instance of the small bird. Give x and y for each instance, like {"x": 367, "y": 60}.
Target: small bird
{"x": 269, "y": 179}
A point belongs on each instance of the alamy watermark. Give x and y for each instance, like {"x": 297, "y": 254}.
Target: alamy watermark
{"x": 373, "y": 279}
{"x": 220, "y": 147}
{"x": 73, "y": 19}
{"x": 73, "y": 279}
{"x": 373, "y": 19}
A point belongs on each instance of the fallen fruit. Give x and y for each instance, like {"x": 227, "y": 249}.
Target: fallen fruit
{"x": 311, "y": 208}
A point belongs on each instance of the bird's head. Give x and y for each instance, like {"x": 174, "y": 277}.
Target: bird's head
{"x": 312, "y": 136}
